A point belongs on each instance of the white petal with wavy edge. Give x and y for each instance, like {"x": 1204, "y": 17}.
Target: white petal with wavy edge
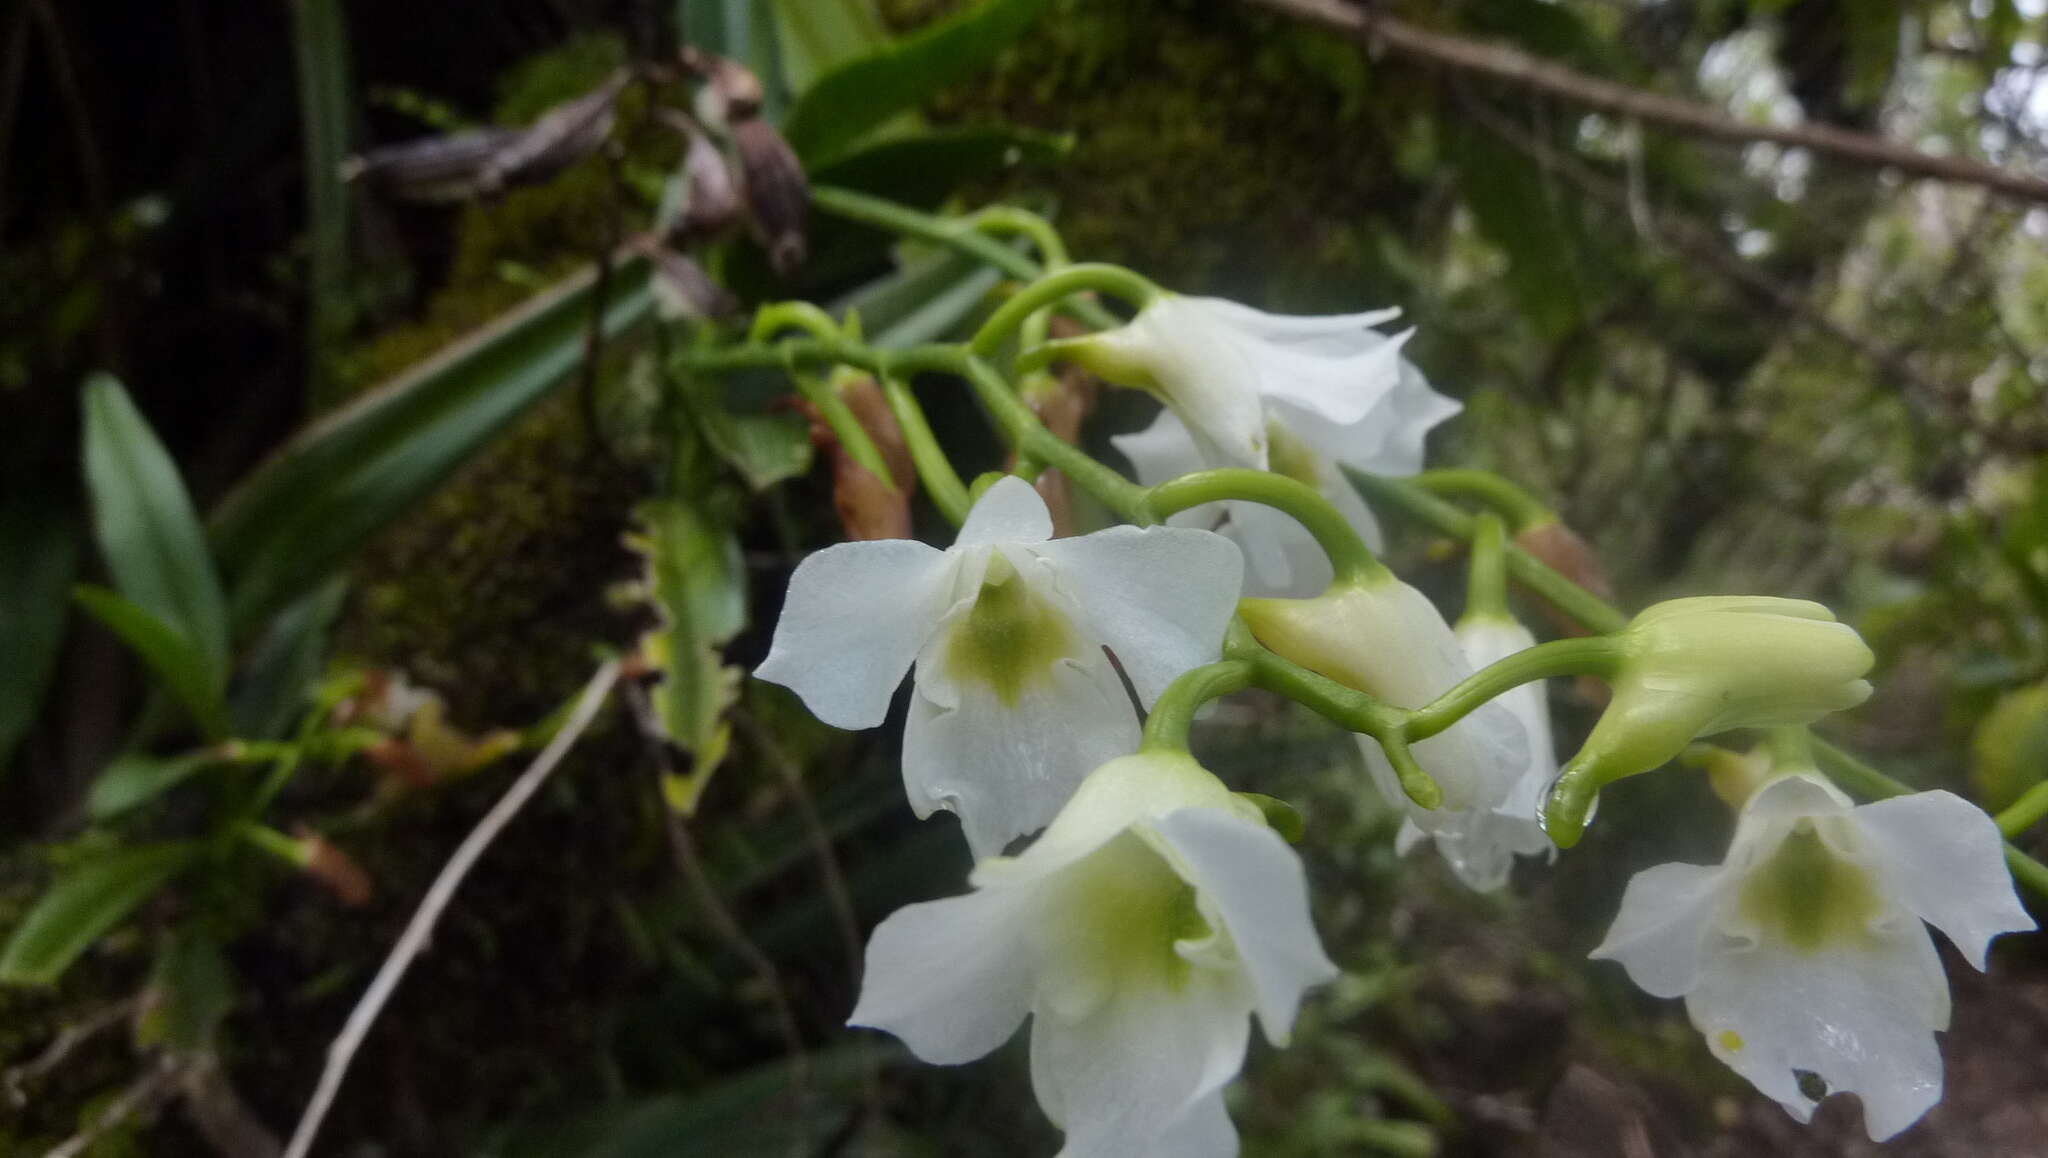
{"x": 855, "y": 618}
{"x": 1944, "y": 859}
{"x": 1160, "y": 597}
{"x": 1660, "y": 935}
{"x": 952, "y": 978}
{"x": 1010, "y": 511}
{"x": 1007, "y": 768}
{"x": 1123, "y": 1078}
{"x": 1258, "y": 888}
{"x": 1862, "y": 1017}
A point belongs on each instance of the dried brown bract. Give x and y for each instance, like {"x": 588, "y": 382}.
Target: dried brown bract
{"x": 483, "y": 163}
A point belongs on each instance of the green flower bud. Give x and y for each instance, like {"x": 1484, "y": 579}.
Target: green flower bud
{"x": 1695, "y": 667}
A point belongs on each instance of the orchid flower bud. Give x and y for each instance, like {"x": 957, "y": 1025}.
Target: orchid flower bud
{"x": 1014, "y": 700}
{"x": 1804, "y": 950}
{"x": 1142, "y": 933}
{"x": 1688, "y": 668}
{"x": 1386, "y": 638}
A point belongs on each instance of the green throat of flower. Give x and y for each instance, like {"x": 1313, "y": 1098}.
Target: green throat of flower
{"x": 1133, "y": 912}
{"x": 1809, "y": 898}
{"x": 1011, "y": 637}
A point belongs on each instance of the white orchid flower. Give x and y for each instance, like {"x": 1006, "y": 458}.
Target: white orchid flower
{"x": 1140, "y": 933}
{"x": 1386, "y": 638}
{"x": 1805, "y": 948}
{"x": 1014, "y": 700}
{"x": 1282, "y": 558}
{"x": 1483, "y": 849}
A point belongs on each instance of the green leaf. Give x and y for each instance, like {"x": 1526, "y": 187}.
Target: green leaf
{"x": 850, "y": 101}
{"x": 85, "y": 902}
{"x": 135, "y": 779}
{"x": 279, "y": 674}
{"x": 820, "y": 35}
{"x": 926, "y": 169}
{"x": 147, "y": 529}
{"x": 320, "y": 40}
{"x": 38, "y": 557}
{"x": 300, "y": 516}
{"x": 764, "y": 448}
{"x": 696, "y": 582}
{"x": 193, "y": 990}
{"x": 178, "y": 665}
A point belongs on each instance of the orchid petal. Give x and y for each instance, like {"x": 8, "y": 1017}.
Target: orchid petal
{"x": 1944, "y": 859}
{"x": 854, "y": 620}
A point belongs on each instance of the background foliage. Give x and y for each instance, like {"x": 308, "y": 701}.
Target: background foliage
{"x": 1733, "y": 367}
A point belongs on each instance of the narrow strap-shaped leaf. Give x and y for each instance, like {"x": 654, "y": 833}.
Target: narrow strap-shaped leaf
{"x": 38, "y": 558}
{"x": 859, "y": 96}
{"x": 84, "y": 903}
{"x": 147, "y": 529}
{"x": 178, "y": 665}
{"x": 137, "y": 779}
{"x": 299, "y": 517}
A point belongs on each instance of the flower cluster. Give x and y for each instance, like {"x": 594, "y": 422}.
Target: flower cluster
{"x": 1155, "y": 914}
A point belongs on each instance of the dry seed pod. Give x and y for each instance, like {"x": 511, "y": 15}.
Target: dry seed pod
{"x": 731, "y": 94}
{"x": 778, "y": 196}
{"x": 483, "y": 163}
{"x": 867, "y": 507}
{"x": 336, "y": 870}
{"x": 1563, "y": 551}
{"x": 712, "y": 201}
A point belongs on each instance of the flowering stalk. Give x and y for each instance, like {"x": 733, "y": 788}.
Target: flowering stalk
{"x": 1349, "y": 555}
{"x": 1048, "y": 290}
{"x": 934, "y": 469}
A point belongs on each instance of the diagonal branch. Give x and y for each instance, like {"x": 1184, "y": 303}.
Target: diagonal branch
{"x": 1520, "y": 68}
{"x": 420, "y": 929}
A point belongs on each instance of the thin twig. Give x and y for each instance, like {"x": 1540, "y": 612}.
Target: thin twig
{"x": 151, "y": 1087}
{"x": 417, "y": 932}
{"x": 66, "y": 1042}
{"x": 837, "y": 896}
{"x": 683, "y": 847}
{"x": 1373, "y": 27}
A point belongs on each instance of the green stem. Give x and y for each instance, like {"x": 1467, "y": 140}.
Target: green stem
{"x": 1052, "y": 251}
{"x": 1521, "y": 508}
{"x": 1166, "y": 729}
{"x": 1348, "y": 708}
{"x": 1050, "y": 290}
{"x": 277, "y": 844}
{"x": 2024, "y": 813}
{"x": 775, "y": 317}
{"x": 845, "y": 425}
{"x": 1486, "y": 585}
{"x": 953, "y": 233}
{"x": 1029, "y": 435}
{"x": 1007, "y": 220}
{"x": 1581, "y": 655}
{"x": 1406, "y": 498}
{"x": 1353, "y": 560}
{"x": 936, "y": 471}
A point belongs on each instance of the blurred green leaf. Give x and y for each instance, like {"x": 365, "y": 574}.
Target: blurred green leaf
{"x": 926, "y": 169}
{"x": 179, "y": 666}
{"x": 193, "y": 990}
{"x": 301, "y": 515}
{"x": 135, "y": 778}
{"x": 84, "y": 903}
{"x": 850, "y": 101}
{"x": 819, "y": 35}
{"x": 764, "y": 448}
{"x": 1515, "y": 208}
{"x": 38, "y": 558}
{"x": 147, "y": 528}
{"x": 280, "y": 671}
{"x": 696, "y": 581}
{"x": 320, "y": 41}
